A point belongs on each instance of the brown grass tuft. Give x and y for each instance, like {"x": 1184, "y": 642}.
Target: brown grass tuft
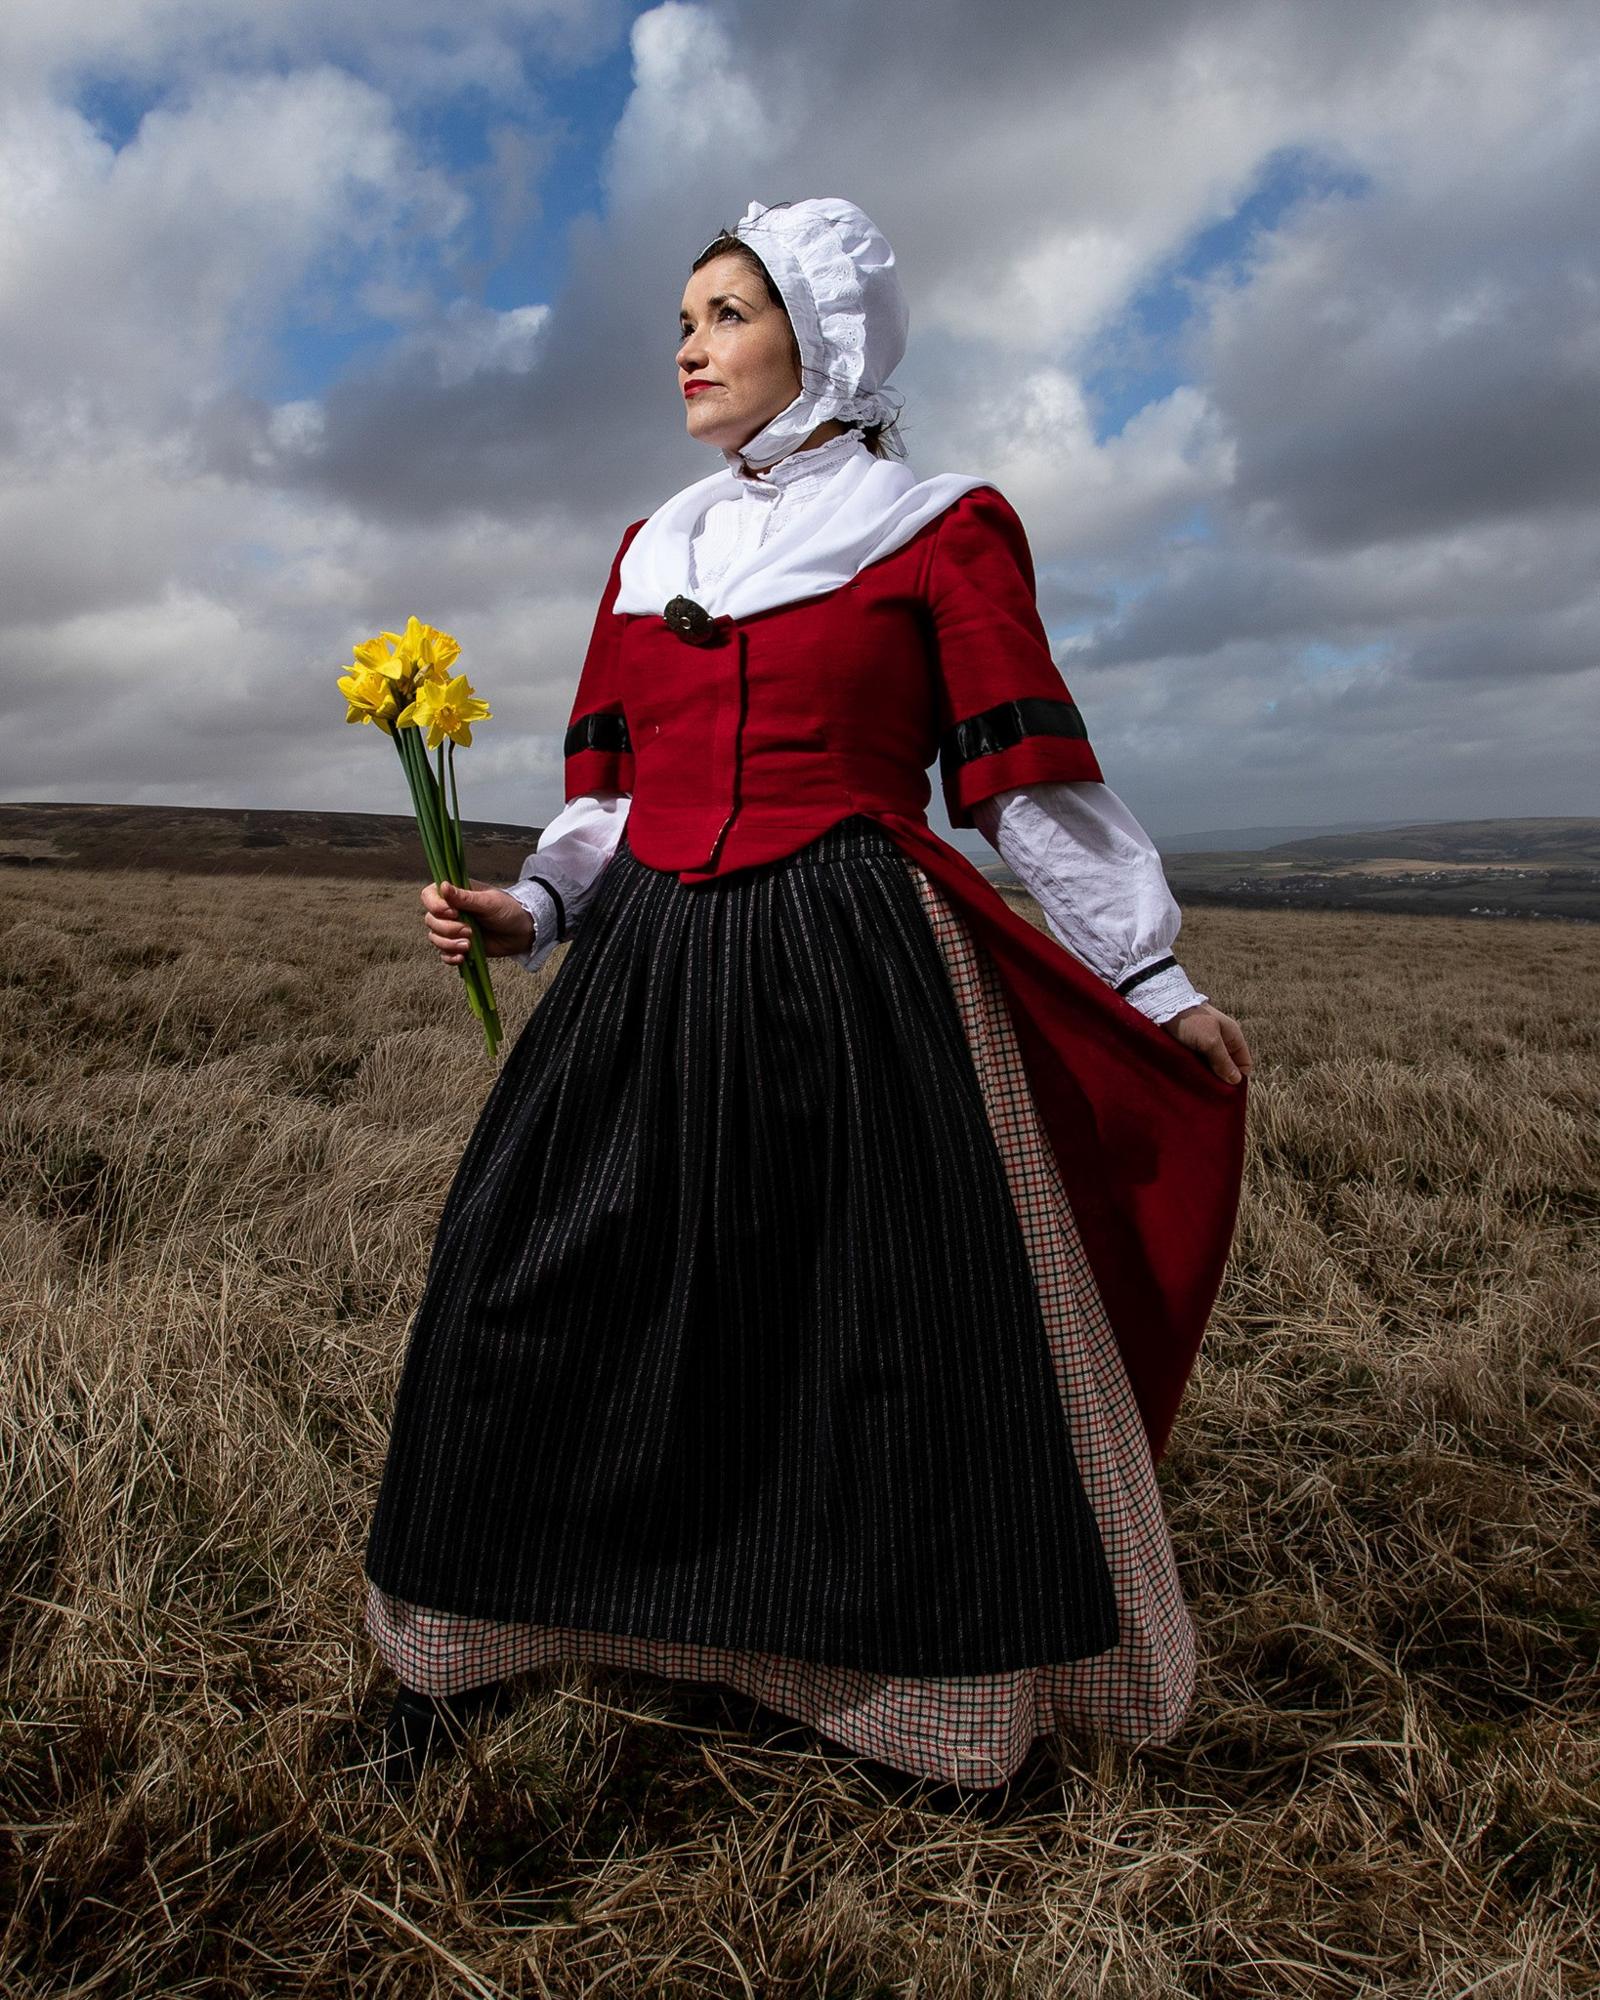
{"x": 233, "y": 1112}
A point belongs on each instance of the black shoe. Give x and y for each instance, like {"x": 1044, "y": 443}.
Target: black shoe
{"x": 1029, "y": 1790}
{"x": 420, "y": 1727}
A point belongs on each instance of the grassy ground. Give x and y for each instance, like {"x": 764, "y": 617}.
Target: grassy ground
{"x": 231, "y": 1115}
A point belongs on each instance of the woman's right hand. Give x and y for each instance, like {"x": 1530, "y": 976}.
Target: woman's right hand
{"x": 1214, "y": 1035}
{"x": 504, "y": 925}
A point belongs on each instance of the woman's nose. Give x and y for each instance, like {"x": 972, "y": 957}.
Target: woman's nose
{"x": 691, "y": 354}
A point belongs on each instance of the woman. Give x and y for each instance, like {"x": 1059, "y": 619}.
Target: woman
{"x": 816, "y": 1290}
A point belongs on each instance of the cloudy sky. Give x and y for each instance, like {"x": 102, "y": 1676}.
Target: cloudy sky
{"x": 1279, "y": 324}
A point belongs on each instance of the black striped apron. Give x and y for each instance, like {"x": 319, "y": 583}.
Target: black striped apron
{"x": 729, "y": 1334}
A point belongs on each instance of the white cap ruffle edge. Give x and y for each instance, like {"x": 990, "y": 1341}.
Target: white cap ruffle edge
{"x": 835, "y": 271}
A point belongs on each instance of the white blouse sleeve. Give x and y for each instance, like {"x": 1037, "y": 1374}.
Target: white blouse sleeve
{"x": 1095, "y": 873}
{"x": 560, "y": 876}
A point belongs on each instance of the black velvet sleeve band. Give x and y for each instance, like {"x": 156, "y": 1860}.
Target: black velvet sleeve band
{"x": 561, "y": 908}
{"x": 1145, "y": 972}
{"x": 602, "y": 729}
{"x": 1005, "y": 725}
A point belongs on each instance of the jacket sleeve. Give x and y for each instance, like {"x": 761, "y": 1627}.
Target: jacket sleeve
{"x": 1005, "y": 716}
{"x": 597, "y": 750}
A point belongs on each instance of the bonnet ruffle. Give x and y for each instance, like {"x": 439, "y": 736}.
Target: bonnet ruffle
{"x": 835, "y": 271}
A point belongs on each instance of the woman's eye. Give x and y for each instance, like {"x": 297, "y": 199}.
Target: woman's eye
{"x": 684, "y": 328}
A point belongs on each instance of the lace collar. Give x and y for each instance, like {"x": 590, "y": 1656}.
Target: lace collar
{"x": 800, "y": 473}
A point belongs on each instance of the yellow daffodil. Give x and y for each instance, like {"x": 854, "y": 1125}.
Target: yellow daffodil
{"x": 427, "y": 653}
{"x": 402, "y": 682}
{"x": 377, "y": 656}
{"x": 371, "y": 696}
{"x": 444, "y": 708}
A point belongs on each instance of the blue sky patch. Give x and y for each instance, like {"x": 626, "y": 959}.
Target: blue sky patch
{"x": 1144, "y": 351}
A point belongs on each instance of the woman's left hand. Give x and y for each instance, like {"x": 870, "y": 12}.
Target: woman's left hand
{"x": 1214, "y": 1035}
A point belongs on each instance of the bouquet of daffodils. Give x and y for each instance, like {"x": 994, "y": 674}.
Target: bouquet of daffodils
{"x": 402, "y": 682}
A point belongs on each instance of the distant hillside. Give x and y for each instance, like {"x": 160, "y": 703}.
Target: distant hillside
{"x": 1479, "y": 868}
{"x": 1245, "y": 839}
{"x": 218, "y": 840}
{"x": 1548, "y": 843}
{"x": 1488, "y": 867}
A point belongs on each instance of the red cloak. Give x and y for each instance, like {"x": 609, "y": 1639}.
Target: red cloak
{"x": 747, "y": 738}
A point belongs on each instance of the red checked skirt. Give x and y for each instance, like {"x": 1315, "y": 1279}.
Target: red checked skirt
{"x": 968, "y": 1729}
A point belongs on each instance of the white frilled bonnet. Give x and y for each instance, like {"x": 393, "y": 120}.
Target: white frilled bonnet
{"x": 836, "y": 273}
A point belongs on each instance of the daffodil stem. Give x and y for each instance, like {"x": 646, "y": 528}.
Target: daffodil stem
{"x": 447, "y": 862}
{"x": 423, "y": 804}
{"x": 452, "y": 822}
{"x": 455, "y": 810}
{"x": 447, "y": 825}
{"x": 450, "y": 831}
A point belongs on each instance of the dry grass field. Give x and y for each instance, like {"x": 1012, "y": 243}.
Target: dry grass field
{"x": 232, "y": 1109}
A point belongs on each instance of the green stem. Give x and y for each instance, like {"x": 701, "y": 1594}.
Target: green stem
{"x": 411, "y": 786}
{"x": 453, "y": 826}
{"x": 451, "y": 804}
{"x": 423, "y": 800}
{"x": 452, "y": 846}
{"x": 455, "y": 810}
{"x": 435, "y": 830}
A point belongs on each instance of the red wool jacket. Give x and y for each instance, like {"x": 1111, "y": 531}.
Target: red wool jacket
{"x": 744, "y": 742}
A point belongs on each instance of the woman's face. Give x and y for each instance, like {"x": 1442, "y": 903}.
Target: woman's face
{"x": 736, "y": 364}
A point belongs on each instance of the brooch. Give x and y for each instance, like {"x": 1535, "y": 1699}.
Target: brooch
{"x": 693, "y": 622}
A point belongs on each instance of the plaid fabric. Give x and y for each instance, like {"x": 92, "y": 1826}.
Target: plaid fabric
{"x": 971, "y": 1730}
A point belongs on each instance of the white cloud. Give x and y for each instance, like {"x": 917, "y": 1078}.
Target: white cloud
{"x": 694, "y": 111}
{"x": 1035, "y": 438}
{"x": 473, "y": 340}
{"x": 134, "y": 282}
{"x": 411, "y": 46}
{"x": 1373, "y": 483}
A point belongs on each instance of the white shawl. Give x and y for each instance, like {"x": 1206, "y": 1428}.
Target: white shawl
{"x": 871, "y": 507}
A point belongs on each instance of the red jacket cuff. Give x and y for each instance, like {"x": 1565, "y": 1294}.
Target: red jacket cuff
{"x": 598, "y": 771}
{"x": 971, "y": 770}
